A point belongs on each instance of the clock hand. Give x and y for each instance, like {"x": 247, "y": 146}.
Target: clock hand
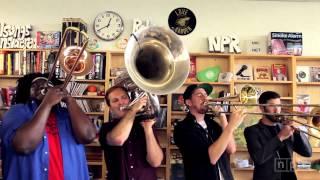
{"x": 109, "y": 22}
{"x": 103, "y": 28}
{"x": 106, "y": 25}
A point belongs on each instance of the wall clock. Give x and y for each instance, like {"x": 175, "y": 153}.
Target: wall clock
{"x": 182, "y": 21}
{"x": 108, "y": 25}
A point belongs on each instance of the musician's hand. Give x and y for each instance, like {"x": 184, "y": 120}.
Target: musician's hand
{"x": 136, "y": 107}
{"x": 216, "y": 110}
{"x": 53, "y": 96}
{"x": 67, "y": 97}
{"x": 236, "y": 118}
{"x": 147, "y": 124}
{"x": 286, "y": 131}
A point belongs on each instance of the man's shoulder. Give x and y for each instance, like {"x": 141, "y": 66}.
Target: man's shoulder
{"x": 252, "y": 128}
{"x": 108, "y": 125}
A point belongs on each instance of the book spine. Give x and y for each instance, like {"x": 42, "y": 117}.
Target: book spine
{"x": 2, "y": 55}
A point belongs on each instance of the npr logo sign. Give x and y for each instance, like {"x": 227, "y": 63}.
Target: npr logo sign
{"x": 221, "y": 43}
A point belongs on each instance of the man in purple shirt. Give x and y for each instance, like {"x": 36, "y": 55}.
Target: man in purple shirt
{"x": 131, "y": 149}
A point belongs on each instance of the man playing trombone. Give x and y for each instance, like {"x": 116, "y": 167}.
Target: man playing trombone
{"x": 203, "y": 143}
{"x": 271, "y": 144}
{"x": 41, "y": 139}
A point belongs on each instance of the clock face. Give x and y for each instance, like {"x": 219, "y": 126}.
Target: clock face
{"x": 108, "y": 25}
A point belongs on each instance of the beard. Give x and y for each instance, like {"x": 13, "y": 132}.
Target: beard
{"x": 272, "y": 118}
{"x": 202, "y": 109}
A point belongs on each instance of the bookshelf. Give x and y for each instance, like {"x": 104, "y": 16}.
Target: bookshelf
{"x": 172, "y": 160}
{"x": 287, "y": 89}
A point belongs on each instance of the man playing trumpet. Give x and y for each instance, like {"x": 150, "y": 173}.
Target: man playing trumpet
{"x": 203, "y": 143}
{"x": 270, "y": 144}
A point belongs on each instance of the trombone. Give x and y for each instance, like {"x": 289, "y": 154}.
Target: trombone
{"x": 313, "y": 117}
{"x": 74, "y": 60}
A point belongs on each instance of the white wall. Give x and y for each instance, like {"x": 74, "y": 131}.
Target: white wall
{"x": 246, "y": 18}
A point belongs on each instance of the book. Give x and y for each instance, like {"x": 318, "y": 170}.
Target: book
{"x": 192, "y": 70}
{"x": 48, "y": 39}
{"x": 303, "y": 73}
{"x": 279, "y": 72}
{"x": 2, "y": 60}
{"x": 178, "y": 102}
{"x": 262, "y": 73}
{"x": 244, "y": 72}
{"x": 315, "y": 73}
{"x": 303, "y": 100}
{"x": 286, "y": 43}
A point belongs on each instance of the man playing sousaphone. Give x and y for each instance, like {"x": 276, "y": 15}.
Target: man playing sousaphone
{"x": 130, "y": 147}
{"x": 203, "y": 143}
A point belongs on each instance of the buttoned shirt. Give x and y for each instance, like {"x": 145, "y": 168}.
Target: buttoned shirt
{"x": 127, "y": 162}
{"x": 34, "y": 165}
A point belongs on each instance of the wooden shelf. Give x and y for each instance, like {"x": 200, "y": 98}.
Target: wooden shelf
{"x": 306, "y": 170}
{"x": 89, "y": 80}
{"x": 161, "y": 129}
{"x": 93, "y": 144}
{"x": 94, "y": 113}
{"x": 308, "y": 83}
{"x": 89, "y": 97}
{"x": 173, "y": 146}
{"x": 179, "y": 112}
{"x": 286, "y": 98}
{"x": 95, "y": 163}
{"x": 242, "y": 149}
{"x": 261, "y": 82}
{"x": 316, "y": 150}
{"x": 10, "y": 76}
{"x": 212, "y": 83}
{"x": 243, "y": 169}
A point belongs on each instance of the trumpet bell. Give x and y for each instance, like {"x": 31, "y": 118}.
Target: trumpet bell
{"x": 248, "y": 95}
{"x": 69, "y": 56}
{"x": 152, "y": 58}
{"x": 315, "y": 120}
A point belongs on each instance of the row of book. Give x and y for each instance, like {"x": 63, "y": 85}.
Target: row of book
{"x": 25, "y": 62}
{"x": 308, "y": 73}
{"x": 275, "y": 72}
{"x": 91, "y": 105}
{"x": 76, "y": 89}
{"x": 162, "y": 118}
{"x": 20, "y": 63}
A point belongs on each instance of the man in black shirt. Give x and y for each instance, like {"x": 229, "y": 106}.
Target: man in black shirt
{"x": 203, "y": 143}
{"x": 270, "y": 144}
{"x": 130, "y": 147}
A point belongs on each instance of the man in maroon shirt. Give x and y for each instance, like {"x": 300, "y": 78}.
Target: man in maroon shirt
{"x": 131, "y": 149}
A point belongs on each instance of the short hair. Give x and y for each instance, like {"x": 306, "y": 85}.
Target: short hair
{"x": 110, "y": 90}
{"x": 267, "y": 95}
{"x": 24, "y": 84}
